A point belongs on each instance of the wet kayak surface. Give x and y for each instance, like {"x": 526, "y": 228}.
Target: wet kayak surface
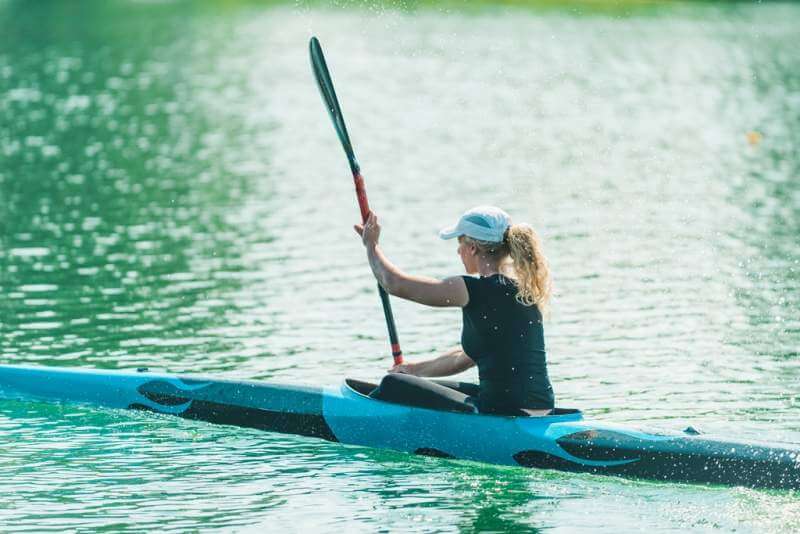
{"x": 172, "y": 195}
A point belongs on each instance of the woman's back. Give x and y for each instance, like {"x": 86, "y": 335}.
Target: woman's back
{"x": 505, "y": 338}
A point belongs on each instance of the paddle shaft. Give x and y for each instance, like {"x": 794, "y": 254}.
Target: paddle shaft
{"x": 325, "y": 84}
{"x": 363, "y": 204}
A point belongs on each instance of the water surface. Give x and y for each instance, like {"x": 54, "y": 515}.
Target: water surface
{"x": 172, "y": 195}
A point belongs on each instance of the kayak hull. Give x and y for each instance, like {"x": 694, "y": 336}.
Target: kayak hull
{"x": 564, "y": 442}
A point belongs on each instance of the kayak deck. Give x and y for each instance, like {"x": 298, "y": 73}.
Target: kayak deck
{"x": 563, "y": 441}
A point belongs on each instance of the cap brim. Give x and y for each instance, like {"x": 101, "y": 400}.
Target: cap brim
{"x": 449, "y": 233}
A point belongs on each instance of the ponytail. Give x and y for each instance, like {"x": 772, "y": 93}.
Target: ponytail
{"x": 530, "y": 266}
{"x": 522, "y": 245}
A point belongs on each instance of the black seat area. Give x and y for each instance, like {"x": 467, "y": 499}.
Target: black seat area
{"x": 415, "y": 391}
{"x": 454, "y": 397}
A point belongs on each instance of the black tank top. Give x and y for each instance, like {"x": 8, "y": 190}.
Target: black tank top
{"x": 505, "y": 339}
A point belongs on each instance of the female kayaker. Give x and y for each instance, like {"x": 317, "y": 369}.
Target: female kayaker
{"x": 502, "y": 318}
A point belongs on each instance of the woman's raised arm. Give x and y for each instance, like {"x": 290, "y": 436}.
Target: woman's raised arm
{"x": 429, "y": 291}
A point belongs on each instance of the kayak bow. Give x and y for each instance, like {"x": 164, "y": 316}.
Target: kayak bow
{"x": 563, "y": 441}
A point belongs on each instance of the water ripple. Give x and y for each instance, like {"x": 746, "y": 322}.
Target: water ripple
{"x": 180, "y": 202}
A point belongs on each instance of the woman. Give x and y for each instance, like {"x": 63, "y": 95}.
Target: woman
{"x": 502, "y": 314}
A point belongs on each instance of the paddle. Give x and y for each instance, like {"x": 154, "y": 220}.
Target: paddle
{"x": 325, "y": 85}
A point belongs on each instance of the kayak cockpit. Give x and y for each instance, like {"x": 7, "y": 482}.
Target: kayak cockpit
{"x": 360, "y": 386}
{"x": 364, "y": 388}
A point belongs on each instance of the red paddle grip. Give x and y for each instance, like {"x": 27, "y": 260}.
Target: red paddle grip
{"x": 361, "y": 193}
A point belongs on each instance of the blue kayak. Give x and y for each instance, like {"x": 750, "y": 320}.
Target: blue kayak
{"x": 345, "y": 413}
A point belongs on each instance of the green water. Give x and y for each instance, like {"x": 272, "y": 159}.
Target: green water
{"x": 172, "y": 195}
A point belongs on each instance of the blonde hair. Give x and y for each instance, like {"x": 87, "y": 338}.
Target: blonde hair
{"x": 532, "y": 272}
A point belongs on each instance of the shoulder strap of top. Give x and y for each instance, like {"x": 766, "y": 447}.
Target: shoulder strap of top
{"x": 474, "y": 290}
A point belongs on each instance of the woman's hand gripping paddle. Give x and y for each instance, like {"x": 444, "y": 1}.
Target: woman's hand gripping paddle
{"x": 325, "y": 85}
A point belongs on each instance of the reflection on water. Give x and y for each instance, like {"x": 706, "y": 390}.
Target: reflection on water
{"x": 172, "y": 195}
{"x": 116, "y": 184}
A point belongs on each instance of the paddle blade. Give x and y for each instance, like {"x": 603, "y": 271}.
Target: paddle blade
{"x": 325, "y": 85}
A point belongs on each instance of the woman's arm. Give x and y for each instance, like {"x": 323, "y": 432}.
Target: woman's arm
{"x": 449, "y": 363}
{"x": 430, "y": 291}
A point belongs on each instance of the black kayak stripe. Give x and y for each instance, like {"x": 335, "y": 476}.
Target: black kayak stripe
{"x": 302, "y": 424}
{"x": 672, "y": 467}
{"x": 305, "y": 419}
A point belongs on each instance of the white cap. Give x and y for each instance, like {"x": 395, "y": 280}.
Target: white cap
{"x": 484, "y": 223}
